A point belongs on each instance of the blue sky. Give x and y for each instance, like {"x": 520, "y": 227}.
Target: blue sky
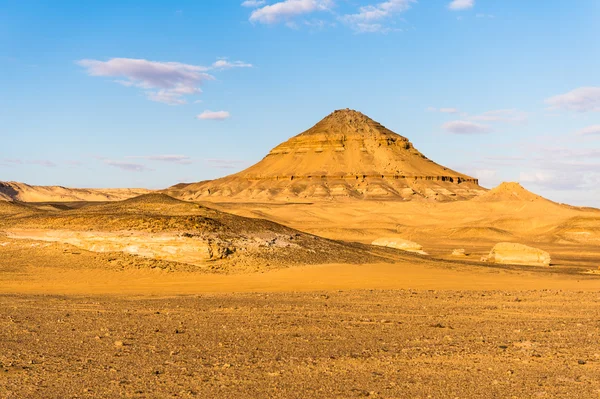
{"x": 148, "y": 94}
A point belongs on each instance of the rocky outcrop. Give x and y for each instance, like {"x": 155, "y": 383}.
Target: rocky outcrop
{"x": 399, "y": 243}
{"x": 345, "y": 156}
{"x": 509, "y": 253}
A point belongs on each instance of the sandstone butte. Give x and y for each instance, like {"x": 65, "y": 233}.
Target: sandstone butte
{"x": 346, "y": 155}
{"x": 517, "y": 254}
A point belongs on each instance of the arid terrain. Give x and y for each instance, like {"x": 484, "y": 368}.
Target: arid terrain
{"x": 378, "y": 344}
{"x": 345, "y": 264}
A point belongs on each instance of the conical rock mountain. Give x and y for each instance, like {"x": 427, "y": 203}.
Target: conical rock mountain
{"x": 345, "y": 155}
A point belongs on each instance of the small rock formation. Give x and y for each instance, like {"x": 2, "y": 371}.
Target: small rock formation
{"x": 459, "y": 252}
{"x": 509, "y": 253}
{"x": 399, "y": 243}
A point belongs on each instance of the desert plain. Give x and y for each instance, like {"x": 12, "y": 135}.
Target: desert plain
{"x": 344, "y": 264}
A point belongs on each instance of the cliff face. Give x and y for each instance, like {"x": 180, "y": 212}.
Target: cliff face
{"x": 345, "y": 156}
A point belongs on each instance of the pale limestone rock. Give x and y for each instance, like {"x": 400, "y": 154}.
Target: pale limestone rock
{"x": 459, "y": 252}
{"x": 517, "y": 254}
{"x": 399, "y": 243}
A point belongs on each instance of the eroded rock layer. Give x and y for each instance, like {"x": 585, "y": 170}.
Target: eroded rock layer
{"x": 346, "y": 155}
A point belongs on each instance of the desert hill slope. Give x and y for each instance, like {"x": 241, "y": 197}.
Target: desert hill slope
{"x": 160, "y": 227}
{"x": 345, "y": 156}
{"x": 15, "y": 191}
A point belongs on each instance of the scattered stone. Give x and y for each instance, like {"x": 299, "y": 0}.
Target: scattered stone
{"x": 119, "y": 344}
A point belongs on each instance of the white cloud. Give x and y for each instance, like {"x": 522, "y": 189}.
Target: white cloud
{"x": 128, "y": 166}
{"x": 465, "y": 127}
{"x": 253, "y": 3}
{"x": 216, "y": 115}
{"x": 224, "y": 64}
{"x": 501, "y": 115}
{"x": 456, "y": 5}
{"x": 583, "y": 99}
{"x": 180, "y": 159}
{"x": 285, "y": 10}
{"x": 368, "y": 19}
{"x": 590, "y": 130}
{"x": 165, "y": 82}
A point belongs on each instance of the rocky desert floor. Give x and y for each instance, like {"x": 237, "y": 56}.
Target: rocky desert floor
{"x": 330, "y": 344}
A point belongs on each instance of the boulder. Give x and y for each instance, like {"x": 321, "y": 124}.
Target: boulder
{"x": 459, "y": 252}
{"x": 509, "y": 253}
{"x": 399, "y": 243}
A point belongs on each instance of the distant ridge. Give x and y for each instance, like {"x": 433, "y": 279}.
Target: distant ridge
{"x": 347, "y": 155}
{"x": 15, "y": 191}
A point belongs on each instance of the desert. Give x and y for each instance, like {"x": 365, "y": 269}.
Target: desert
{"x": 359, "y": 291}
{"x": 387, "y": 199}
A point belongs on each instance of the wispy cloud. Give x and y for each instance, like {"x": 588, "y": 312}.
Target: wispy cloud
{"x": 466, "y": 127}
{"x": 179, "y": 159}
{"x": 39, "y": 162}
{"x": 128, "y": 166}
{"x": 253, "y": 3}
{"x": 370, "y": 18}
{"x": 590, "y": 131}
{"x": 165, "y": 82}
{"x": 213, "y": 115}
{"x": 288, "y": 9}
{"x": 224, "y": 64}
{"x": 458, "y": 5}
{"x": 583, "y": 99}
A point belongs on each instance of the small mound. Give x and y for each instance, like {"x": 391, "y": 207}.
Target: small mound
{"x": 509, "y": 191}
{"x": 152, "y": 198}
{"x": 147, "y": 204}
{"x": 509, "y": 253}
